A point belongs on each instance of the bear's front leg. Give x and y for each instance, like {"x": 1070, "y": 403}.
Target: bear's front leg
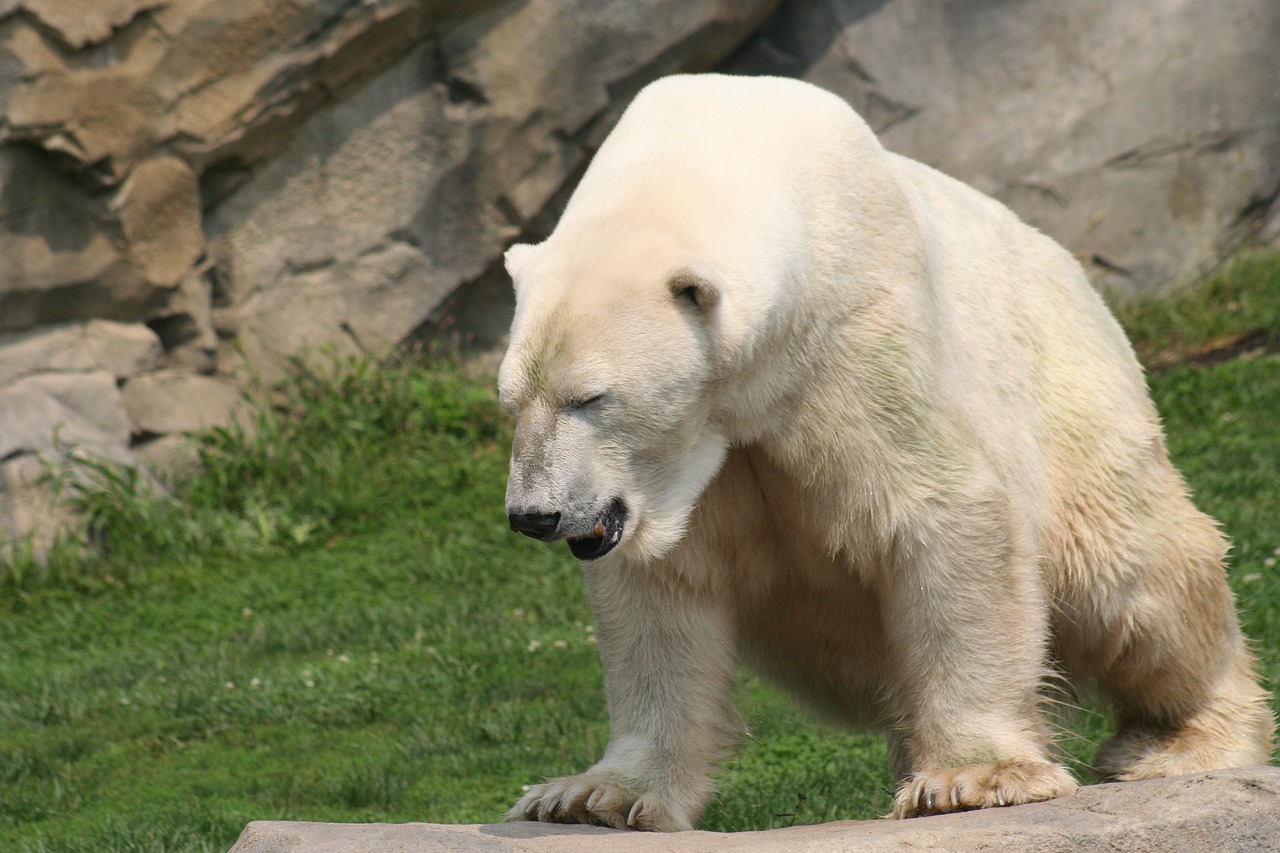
{"x": 967, "y": 619}
{"x": 668, "y": 655}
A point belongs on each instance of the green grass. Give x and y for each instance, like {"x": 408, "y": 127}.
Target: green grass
{"x": 1236, "y": 309}
{"x": 331, "y": 621}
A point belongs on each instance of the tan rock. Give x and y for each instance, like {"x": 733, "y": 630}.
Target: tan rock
{"x": 31, "y": 513}
{"x": 185, "y": 325}
{"x": 119, "y": 349}
{"x": 172, "y": 401}
{"x": 80, "y": 24}
{"x": 57, "y": 261}
{"x": 159, "y": 210}
{"x": 46, "y": 418}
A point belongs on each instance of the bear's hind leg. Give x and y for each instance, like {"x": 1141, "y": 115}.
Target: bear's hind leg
{"x": 1165, "y": 645}
{"x": 1221, "y": 720}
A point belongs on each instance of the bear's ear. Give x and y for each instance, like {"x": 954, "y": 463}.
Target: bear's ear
{"x": 516, "y": 258}
{"x": 698, "y": 290}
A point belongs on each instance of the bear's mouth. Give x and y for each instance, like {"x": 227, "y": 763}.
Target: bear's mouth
{"x": 606, "y": 533}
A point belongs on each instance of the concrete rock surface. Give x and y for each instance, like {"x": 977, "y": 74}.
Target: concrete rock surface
{"x": 1227, "y": 810}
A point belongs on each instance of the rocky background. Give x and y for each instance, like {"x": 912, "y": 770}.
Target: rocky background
{"x": 191, "y": 191}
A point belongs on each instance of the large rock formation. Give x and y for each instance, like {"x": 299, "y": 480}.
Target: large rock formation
{"x": 190, "y": 185}
{"x": 239, "y": 179}
{"x": 1203, "y": 813}
{"x": 1144, "y": 136}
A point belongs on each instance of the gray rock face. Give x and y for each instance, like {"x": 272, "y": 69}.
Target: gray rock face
{"x": 48, "y": 417}
{"x": 1236, "y": 810}
{"x": 46, "y": 413}
{"x": 1145, "y": 137}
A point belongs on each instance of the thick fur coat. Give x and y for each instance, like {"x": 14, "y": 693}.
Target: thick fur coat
{"x": 801, "y": 401}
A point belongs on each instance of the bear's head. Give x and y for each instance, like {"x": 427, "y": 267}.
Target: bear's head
{"x": 612, "y": 372}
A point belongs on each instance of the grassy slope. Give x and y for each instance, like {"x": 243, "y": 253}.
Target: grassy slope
{"x": 335, "y": 624}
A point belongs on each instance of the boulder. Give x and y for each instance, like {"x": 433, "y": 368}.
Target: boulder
{"x": 1202, "y": 813}
{"x": 78, "y": 25}
{"x": 1142, "y": 136}
{"x": 31, "y": 510}
{"x": 185, "y": 324}
{"x": 120, "y": 349}
{"x": 47, "y": 418}
{"x": 49, "y": 414}
{"x": 58, "y": 261}
{"x": 60, "y": 396}
{"x": 177, "y": 402}
{"x": 159, "y": 212}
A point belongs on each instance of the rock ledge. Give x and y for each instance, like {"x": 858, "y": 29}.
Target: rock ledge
{"x": 1225, "y": 810}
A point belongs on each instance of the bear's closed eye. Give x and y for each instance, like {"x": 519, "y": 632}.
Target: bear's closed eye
{"x": 574, "y": 403}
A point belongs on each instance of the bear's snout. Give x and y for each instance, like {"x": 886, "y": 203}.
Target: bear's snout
{"x": 589, "y": 538}
{"x": 538, "y": 525}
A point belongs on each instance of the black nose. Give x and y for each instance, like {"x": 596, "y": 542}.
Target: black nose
{"x": 539, "y": 525}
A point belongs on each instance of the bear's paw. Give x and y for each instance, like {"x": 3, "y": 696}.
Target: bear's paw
{"x": 597, "y": 800}
{"x": 980, "y": 786}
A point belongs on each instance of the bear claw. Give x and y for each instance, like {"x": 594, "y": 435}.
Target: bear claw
{"x": 1002, "y": 783}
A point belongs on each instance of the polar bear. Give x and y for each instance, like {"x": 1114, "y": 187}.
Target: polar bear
{"x": 798, "y": 400}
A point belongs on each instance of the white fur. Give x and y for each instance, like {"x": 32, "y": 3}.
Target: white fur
{"x": 889, "y": 447}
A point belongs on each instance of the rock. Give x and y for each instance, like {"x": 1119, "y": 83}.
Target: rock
{"x": 170, "y": 458}
{"x": 119, "y": 349}
{"x": 31, "y": 511}
{"x": 159, "y": 210}
{"x": 112, "y": 111}
{"x": 364, "y": 159}
{"x": 60, "y": 397}
{"x": 57, "y": 260}
{"x": 1142, "y": 136}
{"x": 48, "y": 414}
{"x": 383, "y": 204}
{"x": 185, "y": 325}
{"x": 48, "y": 418}
{"x": 1209, "y": 812}
{"x": 173, "y": 401}
{"x": 91, "y": 23}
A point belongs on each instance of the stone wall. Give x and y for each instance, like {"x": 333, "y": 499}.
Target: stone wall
{"x": 193, "y": 188}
